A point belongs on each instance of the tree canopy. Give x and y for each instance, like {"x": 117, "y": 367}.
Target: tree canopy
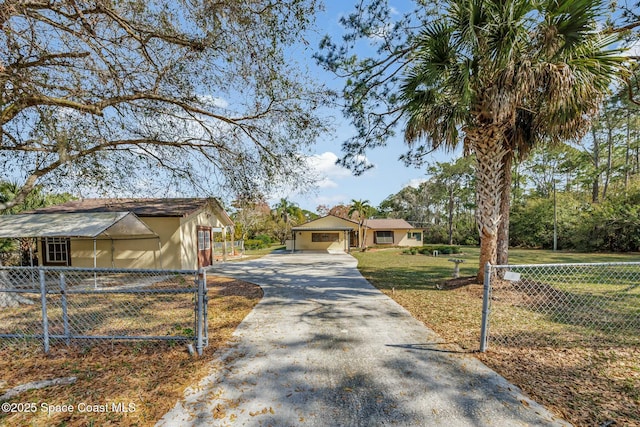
{"x": 493, "y": 76}
{"x": 147, "y": 95}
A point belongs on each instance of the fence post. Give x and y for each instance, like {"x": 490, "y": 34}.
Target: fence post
{"x": 484, "y": 330}
{"x": 45, "y": 319}
{"x": 65, "y": 314}
{"x": 205, "y": 311}
{"x": 202, "y": 279}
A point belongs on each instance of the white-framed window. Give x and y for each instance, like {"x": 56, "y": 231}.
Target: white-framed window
{"x": 204, "y": 240}
{"x": 384, "y": 237}
{"x": 56, "y": 250}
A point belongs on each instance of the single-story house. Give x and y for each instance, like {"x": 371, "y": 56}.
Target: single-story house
{"x": 334, "y": 234}
{"x": 174, "y": 233}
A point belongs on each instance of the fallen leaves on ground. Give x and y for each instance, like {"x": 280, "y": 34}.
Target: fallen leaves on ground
{"x": 144, "y": 379}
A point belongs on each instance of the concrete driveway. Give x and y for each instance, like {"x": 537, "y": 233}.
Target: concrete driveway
{"x": 325, "y": 348}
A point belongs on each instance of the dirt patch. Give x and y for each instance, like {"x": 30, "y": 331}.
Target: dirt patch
{"x": 120, "y": 384}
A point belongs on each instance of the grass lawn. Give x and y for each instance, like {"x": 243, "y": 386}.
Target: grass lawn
{"x": 257, "y": 253}
{"x": 587, "y": 386}
{"x": 149, "y": 376}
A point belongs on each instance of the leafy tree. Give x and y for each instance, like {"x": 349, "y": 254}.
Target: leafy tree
{"x": 340, "y": 210}
{"x": 410, "y": 203}
{"x": 496, "y": 76}
{"x": 443, "y": 204}
{"x": 249, "y": 216}
{"x": 286, "y": 215}
{"x": 453, "y": 179}
{"x": 132, "y": 95}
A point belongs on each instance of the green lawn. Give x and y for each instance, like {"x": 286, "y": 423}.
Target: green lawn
{"x": 257, "y": 253}
{"x": 396, "y": 270}
{"x": 584, "y": 384}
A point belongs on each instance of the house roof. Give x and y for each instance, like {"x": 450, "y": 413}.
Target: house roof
{"x": 88, "y": 225}
{"x": 143, "y": 207}
{"x": 374, "y": 224}
{"x": 388, "y": 224}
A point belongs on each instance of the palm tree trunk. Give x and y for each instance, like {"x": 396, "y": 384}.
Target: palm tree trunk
{"x": 489, "y": 154}
{"x": 502, "y": 256}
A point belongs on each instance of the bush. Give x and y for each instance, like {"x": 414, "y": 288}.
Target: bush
{"x": 253, "y": 244}
{"x": 265, "y": 238}
{"x": 410, "y": 251}
{"x": 442, "y": 249}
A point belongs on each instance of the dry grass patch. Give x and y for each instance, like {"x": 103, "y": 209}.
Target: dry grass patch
{"x": 586, "y": 386}
{"x": 149, "y": 376}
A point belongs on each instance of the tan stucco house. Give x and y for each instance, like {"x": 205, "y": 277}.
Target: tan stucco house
{"x": 334, "y": 234}
{"x": 173, "y": 233}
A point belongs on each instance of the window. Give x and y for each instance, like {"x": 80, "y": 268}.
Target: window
{"x": 325, "y": 237}
{"x": 56, "y": 251}
{"x": 384, "y": 237}
{"x": 204, "y": 240}
{"x": 414, "y": 236}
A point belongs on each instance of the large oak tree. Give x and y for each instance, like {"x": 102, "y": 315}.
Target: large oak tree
{"x": 125, "y": 95}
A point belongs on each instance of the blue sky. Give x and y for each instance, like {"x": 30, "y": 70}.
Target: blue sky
{"x": 338, "y": 185}
{"x": 389, "y": 175}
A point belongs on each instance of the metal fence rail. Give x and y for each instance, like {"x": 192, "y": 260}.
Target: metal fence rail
{"x": 561, "y": 304}
{"x": 228, "y": 248}
{"x": 68, "y": 305}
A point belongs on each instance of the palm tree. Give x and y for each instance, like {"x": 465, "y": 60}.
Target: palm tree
{"x": 503, "y": 75}
{"x": 290, "y": 214}
{"x": 362, "y": 209}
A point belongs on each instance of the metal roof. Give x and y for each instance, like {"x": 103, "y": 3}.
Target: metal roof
{"x": 113, "y": 225}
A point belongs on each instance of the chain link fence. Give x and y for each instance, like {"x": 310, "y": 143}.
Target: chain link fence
{"x": 50, "y": 306}
{"x": 561, "y": 305}
{"x": 228, "y": 248}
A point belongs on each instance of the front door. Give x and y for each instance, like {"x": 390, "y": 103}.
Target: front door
{"x": 353, "y": 239}
{"x": 204, "y": 246}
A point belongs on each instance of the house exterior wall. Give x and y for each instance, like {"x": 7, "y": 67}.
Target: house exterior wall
{"x": 143, "y": 253}
{"x": 179, "y": 246}
{"x": 189, "y": 236}
{"x": 130, "y": 253}
{"x": 304, "y": 239}
{"x": 168, "y": 229}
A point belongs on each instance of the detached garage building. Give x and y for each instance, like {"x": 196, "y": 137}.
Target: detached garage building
{"x": 123, "y": 233}
{"x": 335, "y": 234}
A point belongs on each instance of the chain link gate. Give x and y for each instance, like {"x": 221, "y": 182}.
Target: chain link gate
{"x": 561, "y": 304}
{"x": 66, "y": 305}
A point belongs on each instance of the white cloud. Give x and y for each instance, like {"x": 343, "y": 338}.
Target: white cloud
{"x": 325, "y": 164}
{"x": 325, "y": 167}
{"x": 214, "y": 101}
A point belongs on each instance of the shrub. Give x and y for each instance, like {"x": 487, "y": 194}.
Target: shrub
{"x": 410, "y": 251}
{"x": 265, "y": 238}
{"x": 442, "y": 249}
{"x": 255, "y": 244}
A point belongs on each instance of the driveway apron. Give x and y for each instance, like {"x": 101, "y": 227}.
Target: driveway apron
{"x": 325, "y": 348}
